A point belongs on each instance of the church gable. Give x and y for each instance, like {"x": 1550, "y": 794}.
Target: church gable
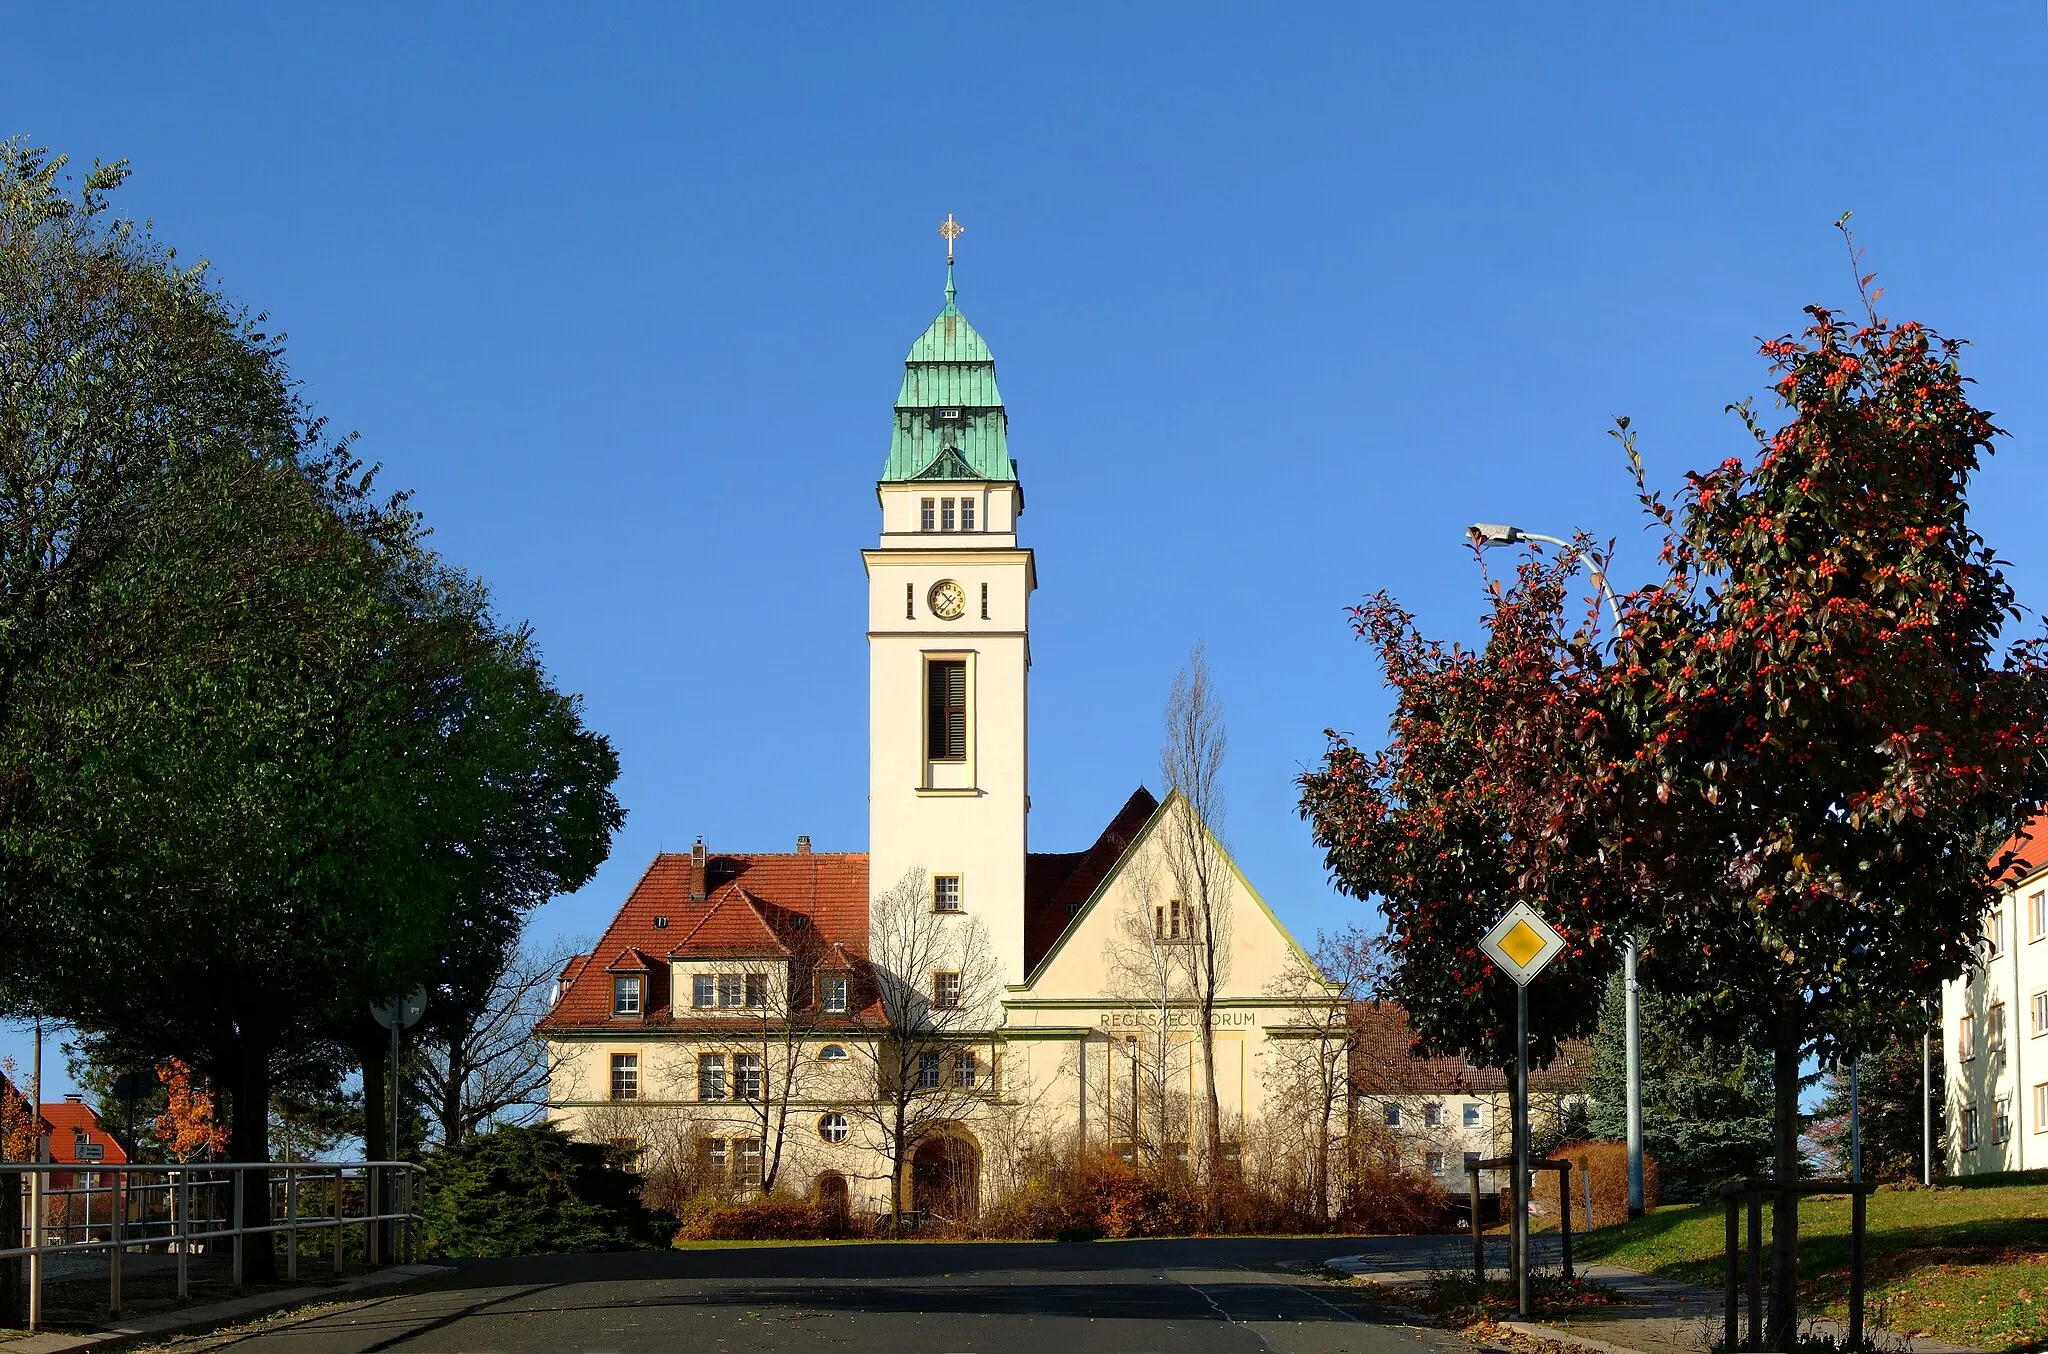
{"x": 1108, "y": 945}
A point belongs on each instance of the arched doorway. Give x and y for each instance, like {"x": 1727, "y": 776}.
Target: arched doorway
{"x": 945, "y": 1178}
{"x": 833, "y": 1199}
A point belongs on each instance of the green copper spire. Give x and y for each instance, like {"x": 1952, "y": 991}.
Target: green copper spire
{"x": 950, "y": 421}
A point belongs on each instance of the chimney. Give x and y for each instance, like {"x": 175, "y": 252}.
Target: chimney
{"x": 697, "y": 872}
{"x": 803, "y": 844}
{"x": 74, "y": 1098}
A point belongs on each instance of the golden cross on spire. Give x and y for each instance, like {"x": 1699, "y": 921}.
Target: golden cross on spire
{"x": 952, "y": 230}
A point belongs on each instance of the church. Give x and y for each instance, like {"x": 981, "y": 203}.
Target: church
{"x": 902, "y": 1027}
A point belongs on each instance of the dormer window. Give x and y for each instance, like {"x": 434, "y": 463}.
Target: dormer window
{"x": 949, "y": 415}
{"x": 626, "y": 995}
{"x": 728, "y": 991}
{"x": 832, "y": 993}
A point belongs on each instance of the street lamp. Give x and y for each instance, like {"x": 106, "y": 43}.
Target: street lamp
{"x": 1485, "y": 535}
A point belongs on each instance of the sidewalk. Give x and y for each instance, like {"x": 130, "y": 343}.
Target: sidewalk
{"x": 1656, "y": 1316}
{"x": 184, "y": 1320}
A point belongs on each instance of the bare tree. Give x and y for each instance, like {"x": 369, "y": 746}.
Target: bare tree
{"x": 1315, "y": 1054}
{"x": 484, "y": 1062}
{"x": 1148, "y": 959}
{"x": 1192, "y": 763}
{"x": 769, "y": 1051}
{"x": 936, "y": 984}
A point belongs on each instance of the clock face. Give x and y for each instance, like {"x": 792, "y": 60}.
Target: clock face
{"x": 947, "y": 599}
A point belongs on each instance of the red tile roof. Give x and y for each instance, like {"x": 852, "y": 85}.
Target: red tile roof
{"x": 755, "y": 904}
{"x": 2029, "y": 847}
{"x": 1057, "y": 885}
{"x": 73, "y": 1124}
{"x": 1385, "y": 1062}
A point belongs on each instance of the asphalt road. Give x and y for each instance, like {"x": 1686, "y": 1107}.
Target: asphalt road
{"x": 1175, "y": 1297}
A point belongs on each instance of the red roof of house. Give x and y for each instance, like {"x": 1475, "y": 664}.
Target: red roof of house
{"x": 74, "y": 1125}
{"x": 1058, "y": 885}
{"x": 753, "y": 904}
{"x": 1386, "y": 1063}
{"x": 2030, "y": 848}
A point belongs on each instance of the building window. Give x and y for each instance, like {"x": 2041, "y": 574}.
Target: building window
{"x": 966, "y": 1070}
{"x": 832, "y": 1127}
{"x": 946, "y": 708}
{"x": 1969, "y": 1128}
{"x": 1994, "y": 1027}
{"x": 2040, "y": 1014}
{"x": 2037, "y": 917}
{"x": 967, "y": 514}
{"x": 1433, "y": 1117}
{"x": 945, "y": 893}
{"x": 750, "y": 1161}
{"x": 2041, "y": 1107}
{"x": 711, "y": 1076}
{"x": 1435, "y": 1162}
{"x": 732, "y": 989}
{"x": 1994, "y": 934}
{"x": 1393, "y": 1116}
{"x": 832, "y": 992}
{"x": 833, "y": 1053}
{"x": 1170, "y": 920}
{"x": 945, "y": 514}
{"x": 625, "y": 1076}
{"x": 1471, "y": 1116}
{"x": 984, "y": 601}
{"x": 927, "y": 1071}
{"x": 1966, "y": 1037}
{"x": 748, "y": 1080}
{"x": 2001, "y": 1118}
{"x": 703, "y": 991}
{"x": 910, "y": 599}
{"x": 945, "y": 990}
{"x": 925, "y": 511}
{"x": 625, "y": 996}
{"x": 757, "y": 989}
{"x": 713, "y": 1150}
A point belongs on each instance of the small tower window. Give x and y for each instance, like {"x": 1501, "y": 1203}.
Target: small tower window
{"x": 984, "y": 601}
{"x": 946, "y": 710}
{"x": 967, "y": 514}
{"x": 949, "y": 415}
{"x": 946, "y": 514}
{"x": 925, "y": 513}
{"x": 945, "y": 893}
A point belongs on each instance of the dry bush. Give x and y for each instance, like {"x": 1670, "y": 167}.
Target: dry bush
{"x": 1095, "y": 1193}
{"x": 763, "y": 1220}
{"x": 1607, "y": 1165}
{"x": 1382, "y": 1199}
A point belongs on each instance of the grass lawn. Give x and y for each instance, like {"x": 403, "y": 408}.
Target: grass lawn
{"x": 1968, "y": 1266}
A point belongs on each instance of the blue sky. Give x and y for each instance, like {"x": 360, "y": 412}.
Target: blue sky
{"x": 1281, "y": 299}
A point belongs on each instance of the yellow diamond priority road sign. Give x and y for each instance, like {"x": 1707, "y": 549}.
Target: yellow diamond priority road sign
{"x": 1522, "y": 943}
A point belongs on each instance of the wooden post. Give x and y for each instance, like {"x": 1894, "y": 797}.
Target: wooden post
{"x": 1731, "y": 1306}
{"x": 1564, "y": 1201}
{"x": 1755, "y": 1195}
{"x": 1856, "y": 1218}
{"x": 1478, "y": 1231}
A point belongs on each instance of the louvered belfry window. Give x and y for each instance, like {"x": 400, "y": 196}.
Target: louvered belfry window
{"x": 946, "y": 706}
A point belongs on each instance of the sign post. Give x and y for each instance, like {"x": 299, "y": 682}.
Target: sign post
{"x": 395, "y": 1016}
{"x": 1521, "y": 944}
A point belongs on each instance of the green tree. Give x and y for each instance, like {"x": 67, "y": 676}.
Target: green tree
{"x": 1706, "y": 1103}
{"x": 534, "y": 1190}
{"x": 1890, "y": 1092}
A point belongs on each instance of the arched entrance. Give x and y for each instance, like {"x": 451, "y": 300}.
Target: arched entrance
{"x": 833, "y": 1200}
{"x": 945, "y": 1178}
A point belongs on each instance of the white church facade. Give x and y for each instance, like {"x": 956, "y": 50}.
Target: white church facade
{"x": 754, "y": 1010}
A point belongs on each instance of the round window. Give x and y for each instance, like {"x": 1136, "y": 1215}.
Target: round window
{"x": 832, "y": 1053}
{"x": 832, "y": 1127}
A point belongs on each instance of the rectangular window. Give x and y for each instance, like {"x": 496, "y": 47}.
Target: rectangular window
{"x": 1435, "y": 1162}
{"x": 1393, "y": 1116}
{"x": 1966, "y": 1038}
{"x": 711, "y": 1076}
{"x": 1433, "y": 1117}
{"x": 748, "y": 1080}
{"x": 2040, "y": 1014}
{"x": 2037, "y": 917}
{"x": 750, "y": 1161}
{"x": 625, "y": 1076}
{"x": 945, "y": 990}
{"x": 1471, "y": 1116}
{"x": 757, "y": 990}
{"x": 984, "y": 601}
{"x": 927, "y": 1071}
{"x": 945, "y": 514}
{"x": 2041, "y": 1107}
{"x": 967, "y": 514}
{"x": 945, "y": 893}
{"x": 714, "y": 1154}
{"x": 1994, "y": 934}
{"x": 732, "y": 989}
{"x": 925, "y": 511}
{"x": 966, "y": 1070}
{"x": 1169, "y": 920}
{"x": 1994, "y": 1027}
{"x": 703, "y": 991}
{"x": 946, "y": 709}
{"x": 833, "y": 991}
{"x": 625, "y": 996}
{"x": 2001, "y": 1118}
{"x": 1969, "y": 1128}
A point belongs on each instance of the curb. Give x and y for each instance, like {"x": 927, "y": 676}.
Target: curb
{"x": 1563, "y": 1337}
{"x": 189, "y": 1320}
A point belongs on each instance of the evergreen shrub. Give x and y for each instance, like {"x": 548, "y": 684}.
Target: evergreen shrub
{"x": 534, "y": 1191}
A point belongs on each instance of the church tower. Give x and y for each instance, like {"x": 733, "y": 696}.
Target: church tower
{"x": 949, "y": 594}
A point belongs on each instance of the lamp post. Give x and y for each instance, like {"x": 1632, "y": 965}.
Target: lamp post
{"x": 1485, "y": 535}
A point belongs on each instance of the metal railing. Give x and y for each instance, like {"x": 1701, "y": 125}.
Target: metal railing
{"x": 188, "y": 1210}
